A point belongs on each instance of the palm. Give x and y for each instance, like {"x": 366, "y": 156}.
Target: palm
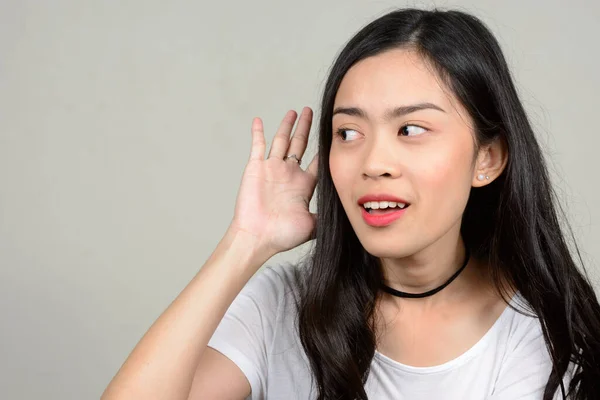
{"x": 272, "y": 202}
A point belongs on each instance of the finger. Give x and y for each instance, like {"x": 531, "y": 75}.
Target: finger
{"x": 313, "y": 167}
{"x": 300, "y": 138}
{"x": 281, "y": 140}
{"x": 258, "y": 140}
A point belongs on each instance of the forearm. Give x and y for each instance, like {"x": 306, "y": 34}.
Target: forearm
{"x": 163, "y": 363}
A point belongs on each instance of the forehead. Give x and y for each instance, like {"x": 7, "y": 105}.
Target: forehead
{"x": 393, "y": 78}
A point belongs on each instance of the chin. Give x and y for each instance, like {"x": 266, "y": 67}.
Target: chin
{"x": 386, "y": 248}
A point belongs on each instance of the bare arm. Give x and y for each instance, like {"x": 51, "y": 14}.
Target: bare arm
{"x": 163, "y": 363}
{"x": 271, "y": 216}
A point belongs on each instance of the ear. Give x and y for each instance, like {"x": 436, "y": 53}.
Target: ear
{"x": 491, "y": 161}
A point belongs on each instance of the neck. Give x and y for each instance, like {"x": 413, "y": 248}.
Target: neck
{"x": 427, "y": 270}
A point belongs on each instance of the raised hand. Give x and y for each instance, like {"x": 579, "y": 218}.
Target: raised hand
{"x": 274, "y": 195}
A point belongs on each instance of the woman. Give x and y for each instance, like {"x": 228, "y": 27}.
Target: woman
{"x": 439, "y": 269}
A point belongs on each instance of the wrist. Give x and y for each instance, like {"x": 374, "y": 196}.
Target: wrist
{"x": 246, "y": 247}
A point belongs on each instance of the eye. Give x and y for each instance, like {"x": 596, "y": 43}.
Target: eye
{"x": 404, "y": 131}
{"x": 344, "y": 133}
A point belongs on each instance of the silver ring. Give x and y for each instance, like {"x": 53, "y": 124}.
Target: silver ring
{"x": 294, "y": 157}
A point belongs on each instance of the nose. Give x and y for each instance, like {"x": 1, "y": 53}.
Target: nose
{"x": 382, "y": 158}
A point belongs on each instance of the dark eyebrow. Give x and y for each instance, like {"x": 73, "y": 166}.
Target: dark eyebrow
{"x": 390, "y": 114}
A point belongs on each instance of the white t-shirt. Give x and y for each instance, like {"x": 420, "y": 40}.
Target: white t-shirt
{"x": 258, "y": 333}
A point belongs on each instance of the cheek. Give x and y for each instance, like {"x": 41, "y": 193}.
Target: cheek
{"x": 343, "y": 174}
{"x": 449, "y": 170}
{"x": 340, "y": 174}
{"x": 444, "y": 187}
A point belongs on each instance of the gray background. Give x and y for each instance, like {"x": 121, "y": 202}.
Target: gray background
{"x": 125, "y": 128}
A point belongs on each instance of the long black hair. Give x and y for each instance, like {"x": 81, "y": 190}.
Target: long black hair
{"x": 511, "y": 223}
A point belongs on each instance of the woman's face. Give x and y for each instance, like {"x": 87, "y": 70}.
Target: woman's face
{"x": 424, "y": 156}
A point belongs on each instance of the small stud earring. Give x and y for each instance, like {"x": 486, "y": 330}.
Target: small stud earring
{"x": 487, "y": 177}
{"x": 480, "y": 177}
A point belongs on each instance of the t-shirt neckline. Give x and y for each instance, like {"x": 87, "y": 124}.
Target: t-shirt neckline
{"x": 474, "y": 350}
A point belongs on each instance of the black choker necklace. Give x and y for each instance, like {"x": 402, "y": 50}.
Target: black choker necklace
{"x": 432, "y": 291}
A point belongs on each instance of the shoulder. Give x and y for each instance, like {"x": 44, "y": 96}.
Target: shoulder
{"x": 525, "y": 362}
{"x": 257, "y": 327}
{"x": 277, "y": 278}
{"x": 521, "y": 332}
{"x": 522, "y": 326}
{"x": 273, "y": 287}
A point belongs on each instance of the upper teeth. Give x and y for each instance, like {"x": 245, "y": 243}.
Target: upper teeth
{"x": 375, "y": 205}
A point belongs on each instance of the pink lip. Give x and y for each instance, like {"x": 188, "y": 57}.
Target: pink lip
{"x": 381, "y": 219}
